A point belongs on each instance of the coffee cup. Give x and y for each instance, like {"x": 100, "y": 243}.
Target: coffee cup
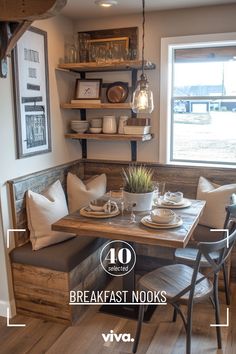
{"x": 173, "y": 197}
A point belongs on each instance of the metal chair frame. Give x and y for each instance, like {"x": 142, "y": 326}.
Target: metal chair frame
{"x": 230, "y": 212}
{"x": 223, "y": 247}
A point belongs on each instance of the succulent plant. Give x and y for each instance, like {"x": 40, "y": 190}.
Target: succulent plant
{"x": 138, "y": 179}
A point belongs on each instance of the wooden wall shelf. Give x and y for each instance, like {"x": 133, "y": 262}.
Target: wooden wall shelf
{"x": 96, "y": 105}
{"x": 112, "y": 137}
{"x": 111, "y": 66}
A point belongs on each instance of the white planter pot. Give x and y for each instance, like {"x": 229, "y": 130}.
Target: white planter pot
{"x": 143, "y": 201}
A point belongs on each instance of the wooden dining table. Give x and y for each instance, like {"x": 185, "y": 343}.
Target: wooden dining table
{"x": 119, "y": 228}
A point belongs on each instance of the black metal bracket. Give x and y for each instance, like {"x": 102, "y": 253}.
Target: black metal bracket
{"x": 83, "y": 143}
{"x": 133, "y": 145}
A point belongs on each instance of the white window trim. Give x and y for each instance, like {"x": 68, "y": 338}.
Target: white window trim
{"x": 167, "y": 46}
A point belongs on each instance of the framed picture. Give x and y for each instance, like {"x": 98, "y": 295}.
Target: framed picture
{"x": 88, "y": 89}
{"x": 31, "y": 94}
{"x": 110, "y": 44}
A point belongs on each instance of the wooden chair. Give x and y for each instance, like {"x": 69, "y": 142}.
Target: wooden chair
{"x": 188, "y": 255}
{"x": 186, "y": 285}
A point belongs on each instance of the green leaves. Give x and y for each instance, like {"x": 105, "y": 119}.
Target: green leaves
{"x": 138, "y": 179}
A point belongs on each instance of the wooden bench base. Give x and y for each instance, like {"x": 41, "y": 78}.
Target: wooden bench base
{"x": 44, "y": 293}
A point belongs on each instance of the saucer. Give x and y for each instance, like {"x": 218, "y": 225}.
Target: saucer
{"x": 147, "y": 221}
{"x": 87, "y": 212}
{"x": 185, "y": 203}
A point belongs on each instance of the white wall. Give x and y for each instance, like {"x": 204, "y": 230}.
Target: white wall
{"x": 204, "y": 20}
{"x": 62, "y": 150}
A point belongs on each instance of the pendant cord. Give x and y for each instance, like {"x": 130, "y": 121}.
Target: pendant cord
{"x": 143, "y": 37}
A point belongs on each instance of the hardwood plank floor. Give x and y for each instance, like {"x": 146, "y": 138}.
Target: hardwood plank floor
{"x": 159, "y": 336}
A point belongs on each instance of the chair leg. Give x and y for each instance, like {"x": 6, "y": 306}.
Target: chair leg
{"x": 212, "y": 301}
{"x": 189, "y": 328}
{"x": 139, "y": 326}
{"x": 217, "y": 311}
{"x": 226, "y": 285}
{"x": 175, "y": 313}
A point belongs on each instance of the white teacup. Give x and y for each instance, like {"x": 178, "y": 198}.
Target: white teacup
{"x": 176, "y": 197}
{"x": 103, "y": 205}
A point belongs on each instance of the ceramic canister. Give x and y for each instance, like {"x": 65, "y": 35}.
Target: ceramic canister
{"x": 109, "y": 125}
{"x": 122, "y": 123}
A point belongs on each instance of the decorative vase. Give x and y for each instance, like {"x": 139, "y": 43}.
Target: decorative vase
{"x": 143, "y": 201}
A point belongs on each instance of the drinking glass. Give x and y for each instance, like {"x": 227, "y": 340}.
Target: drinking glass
{"x": 159, "y": 191}
{"x": 130, "y": 208}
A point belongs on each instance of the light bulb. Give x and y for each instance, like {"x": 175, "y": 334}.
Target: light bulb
{"x": 142, "y": 97}
{"x": 106, "y": 3}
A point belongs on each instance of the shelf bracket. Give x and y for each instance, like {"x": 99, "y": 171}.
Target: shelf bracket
{"x": 133, "y": 144}
{"x": 83, "y": 143}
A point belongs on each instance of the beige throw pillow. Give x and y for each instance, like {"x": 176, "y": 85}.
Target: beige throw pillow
{"x": 217, "y": 198}
{"x": 80, "y": 193}
{"x": 42, "y": 211}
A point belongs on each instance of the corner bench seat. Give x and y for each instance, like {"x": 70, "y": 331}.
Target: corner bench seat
{"x": 43, "y": 279}
{"x": 63, "y": 256}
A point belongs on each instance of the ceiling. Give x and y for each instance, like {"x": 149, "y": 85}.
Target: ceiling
{"x": 82, "y": 9}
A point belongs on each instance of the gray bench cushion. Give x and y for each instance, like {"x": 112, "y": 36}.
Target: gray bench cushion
{"x": 62, "y": 257}
{"x": 203, "y": 234}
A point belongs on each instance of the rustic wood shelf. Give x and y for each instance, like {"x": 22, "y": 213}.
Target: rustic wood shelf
{"x": 112, "y": 137}
{"x": 111, "y": 66}
{"x": 96, "y": 105}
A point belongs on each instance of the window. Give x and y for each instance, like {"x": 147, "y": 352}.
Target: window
{"x": 198, "y": 100}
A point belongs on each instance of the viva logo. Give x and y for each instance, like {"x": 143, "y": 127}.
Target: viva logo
{"x": 114, "y": 337}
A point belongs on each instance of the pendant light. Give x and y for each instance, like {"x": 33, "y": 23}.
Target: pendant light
{"x": 142, "y": 97}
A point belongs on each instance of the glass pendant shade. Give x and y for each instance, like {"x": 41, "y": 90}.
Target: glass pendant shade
{"x": 142, "y": 97}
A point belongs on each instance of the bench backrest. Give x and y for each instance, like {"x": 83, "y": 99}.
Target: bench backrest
{"x": 184, "y": 178}
{"x": 37, "y": 182}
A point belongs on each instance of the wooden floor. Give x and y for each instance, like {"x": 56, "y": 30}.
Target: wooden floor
{"x": 159, "y": 336}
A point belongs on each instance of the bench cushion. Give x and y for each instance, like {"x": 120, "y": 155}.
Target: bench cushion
{"x": 203, "y": 234}
{"x": 62, "y": 257}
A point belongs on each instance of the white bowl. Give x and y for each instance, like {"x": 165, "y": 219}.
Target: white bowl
{"x": 95, "y": 130}
{"x": 79, "y": 130}
{"x": 79, "y": 126}
{"x": 162, "y": 216}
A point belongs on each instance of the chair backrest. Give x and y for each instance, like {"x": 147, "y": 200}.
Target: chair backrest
{"x": 230, "y": 220}
{"x": 208, "y": 249}
{"x": 223, "y": 247}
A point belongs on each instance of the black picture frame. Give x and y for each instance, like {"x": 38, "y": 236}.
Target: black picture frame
{"x": 31, "y": 94}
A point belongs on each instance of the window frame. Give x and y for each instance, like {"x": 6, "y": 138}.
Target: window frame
{"x": 166, "y": 78}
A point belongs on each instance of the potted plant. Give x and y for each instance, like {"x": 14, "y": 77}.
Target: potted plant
{"x": 138, "y": 187}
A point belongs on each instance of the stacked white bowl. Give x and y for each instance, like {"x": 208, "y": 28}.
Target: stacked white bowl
{"x": 79, "y": 126}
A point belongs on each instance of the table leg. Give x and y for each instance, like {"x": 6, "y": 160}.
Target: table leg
{"x": 128, "y": 311}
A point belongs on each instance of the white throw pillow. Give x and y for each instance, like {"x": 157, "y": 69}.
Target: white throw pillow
{"x": 42, "y": 211}
{"x": 80, "y": 193}
{"x": 217, "y": 198}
